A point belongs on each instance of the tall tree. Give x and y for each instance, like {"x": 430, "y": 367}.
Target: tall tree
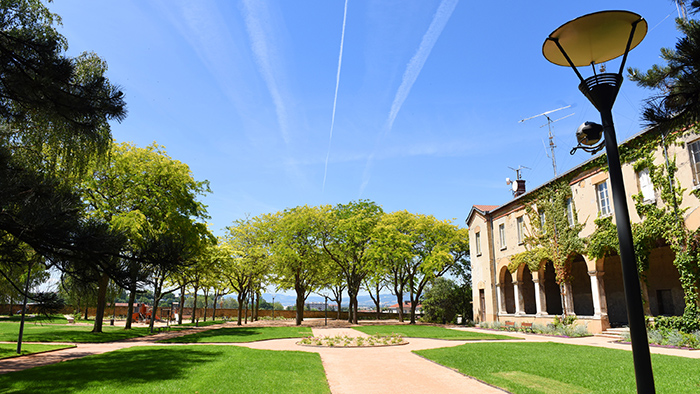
{"x": 152, "y": 199}
{"x": 346, "y": 236}
{"x": 246, "y": 258}
{"x": 299, "y": 260}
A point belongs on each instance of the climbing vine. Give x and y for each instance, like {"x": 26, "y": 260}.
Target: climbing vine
{"x": 552, "y": 237}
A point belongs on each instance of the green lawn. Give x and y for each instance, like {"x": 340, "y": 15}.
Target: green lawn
{"x": 47, "y": 332}
{"x": 560, "y": 368}
{"x": 10, "y": 349}
{"x": 243, "y": 334}
{"x": 176, "y": 369}
{"x": 58, "y": 319}
{"x": 418, "y": 331}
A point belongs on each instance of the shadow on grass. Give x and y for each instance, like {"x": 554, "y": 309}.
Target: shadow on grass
{"x": 122, "y": 368}
{"x": 235, "y": 335}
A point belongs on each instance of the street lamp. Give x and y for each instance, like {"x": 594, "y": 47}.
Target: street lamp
{"x": 586, "y": 41}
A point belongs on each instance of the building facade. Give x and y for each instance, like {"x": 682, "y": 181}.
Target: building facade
{"x": 506, "y": 288}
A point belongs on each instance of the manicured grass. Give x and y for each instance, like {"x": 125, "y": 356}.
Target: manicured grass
{"x": 243, "y": 334}
{"x": 524, "y": 368}
{"x": 10, "y": 349}
{"x": 201, "y": 323}
{"x": 58, "y": 319}
{"x": 43, "y": 332}
{"x": 418, "y": 331}
{"x": 177, "y": 369}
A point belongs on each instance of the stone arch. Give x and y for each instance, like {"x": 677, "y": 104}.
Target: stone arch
{"x": 548, "y": 279}
{"x": 527, "y": 289}
{"x": 614, "y": 291}
{"x": 581, "y": 286}
{"x": 507, "y": 291}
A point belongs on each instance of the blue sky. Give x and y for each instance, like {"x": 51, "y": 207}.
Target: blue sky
{"x": 420, "y": 112}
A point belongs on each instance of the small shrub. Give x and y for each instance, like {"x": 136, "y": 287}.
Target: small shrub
{"x": 654, "y": 336}
{"x": 674, "y": 338}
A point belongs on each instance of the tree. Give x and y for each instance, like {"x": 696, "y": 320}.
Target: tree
{"x": 676, "y": 101}
{"x": 50, "y": 99}
{"x": 441, "y": 301}
{"x": 153, "y": 200}
{"x": 299, "y": 261}
{"x": 245, "y": 258}
{"x": 346, "y": 236}
{"x": 393, "y": 250}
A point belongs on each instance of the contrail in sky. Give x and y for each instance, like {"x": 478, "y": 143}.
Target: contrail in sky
{"x": 335, "y": 98}
{"x": 413, "y": 69}
{"x": 255, "y": 16}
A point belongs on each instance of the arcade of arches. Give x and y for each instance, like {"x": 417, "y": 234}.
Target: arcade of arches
{"x": 595, "y": 291}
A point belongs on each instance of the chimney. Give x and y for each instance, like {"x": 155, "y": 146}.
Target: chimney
{"x": 521, "y": 188}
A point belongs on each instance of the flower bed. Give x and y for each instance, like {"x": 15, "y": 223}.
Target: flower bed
{"x": 348, "y": 341}
{"x": 666, "y": 337}
{"x": 560, "y": 330}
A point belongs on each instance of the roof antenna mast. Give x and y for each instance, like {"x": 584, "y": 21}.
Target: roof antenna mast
{"x": 551, "y": 136}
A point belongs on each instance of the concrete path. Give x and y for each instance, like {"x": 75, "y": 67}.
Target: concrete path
{"x": 590, "y": 341}
{"x": 350, "y": 370}
{"x": 391, "y": 369}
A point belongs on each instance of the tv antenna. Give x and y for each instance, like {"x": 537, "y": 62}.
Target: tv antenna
{"x": 518, "y": 179}
{"x": 551, "y": 136}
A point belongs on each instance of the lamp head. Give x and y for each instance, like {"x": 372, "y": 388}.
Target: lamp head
{"x": 589, "y": 133}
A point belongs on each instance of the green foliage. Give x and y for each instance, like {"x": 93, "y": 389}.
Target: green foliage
{"x": 556, "y": 239}
{"x": 441, "y": 302}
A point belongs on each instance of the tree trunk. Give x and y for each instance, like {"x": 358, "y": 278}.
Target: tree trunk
{"x": 399, "y": 299}
{"x": 101, "y": 303}
{"x": 213, "y": 314}
{"x": 339, "y": 307}
{"x": 156, "y": 299}
{"x": 194, "y": 306}
{"x": 206, "y": 301}
{"x": 257, "y": 306}
{"x": 379, "y": 308}
{"x": 299, "y": 305}
{"x": 240, "y": 299}
{"x": 86, "y": 312}
{"x": 130, "y": 307}
{"x": 246, "y": 309}
{"x": 182, "y": 305}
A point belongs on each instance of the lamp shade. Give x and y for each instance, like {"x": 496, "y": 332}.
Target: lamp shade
{"x": 594, "y": 38}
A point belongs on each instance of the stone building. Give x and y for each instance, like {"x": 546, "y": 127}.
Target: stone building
{"x": 504, "y": 291}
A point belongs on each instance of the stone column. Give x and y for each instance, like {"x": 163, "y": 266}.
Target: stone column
{"x": 540, "y": 297}
{"x": 501, "y": 299}
{"x": 519, "y": 301}
{"x": 595, "y": 293}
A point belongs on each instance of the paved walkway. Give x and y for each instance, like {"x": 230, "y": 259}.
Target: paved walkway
{"x": 350, "y": 370}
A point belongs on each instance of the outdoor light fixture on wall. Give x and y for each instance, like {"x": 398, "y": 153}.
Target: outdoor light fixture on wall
{"x": 586, "y": 41}
{"x": 588, "y": 135}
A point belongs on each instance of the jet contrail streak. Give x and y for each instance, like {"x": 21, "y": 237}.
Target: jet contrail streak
{"x": 335, "y": 97}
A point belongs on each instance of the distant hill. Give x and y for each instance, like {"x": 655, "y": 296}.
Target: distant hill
{"x": 362, "y": 300}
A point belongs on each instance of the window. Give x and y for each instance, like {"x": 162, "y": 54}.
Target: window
{"x": 478, "y": 244}
{"x": 694, "y": 151}
{"x": 570, "y": 211}
{"x": 543, "y": 221}
{"x": 502, "y": 235}
{"x": 521, "y": 230}
{"x": 602, "y": 198}
{"x": 645, "y": 185}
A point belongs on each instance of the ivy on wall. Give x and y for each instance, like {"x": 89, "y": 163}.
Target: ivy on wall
{"x": 554, "y": 238}
{"x": 557, "y": 241}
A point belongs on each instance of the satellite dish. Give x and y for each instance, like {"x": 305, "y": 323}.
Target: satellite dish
{"x": 515, "y": 186}
{"x": 508, "y": 181}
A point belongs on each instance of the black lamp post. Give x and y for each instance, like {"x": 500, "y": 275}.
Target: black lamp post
{"x": 590, "y": 40}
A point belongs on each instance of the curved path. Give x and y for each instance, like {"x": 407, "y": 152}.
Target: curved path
{"x": 348, "y": 370}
